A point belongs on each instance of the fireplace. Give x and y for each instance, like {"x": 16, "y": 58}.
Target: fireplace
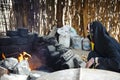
{"x": 22, "y": 52}
{"x": 20, "y": 41}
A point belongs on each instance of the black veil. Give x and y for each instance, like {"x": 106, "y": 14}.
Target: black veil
{"x": 106, "y": 47}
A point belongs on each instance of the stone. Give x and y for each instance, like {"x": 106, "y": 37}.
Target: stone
{"x": 36, "y": 74}
{"x": 23, "y": 32}
{"x": 11, "y": 33}
{"x": 53, "y": 32}
{"x": 55, "y": 54}
{"x": 9, "y": 63}
{"x": 51, "y": 48}
{"x": 3, "y": 71}
{"x": 5, "y": 40}
{"x": 22, "y": 68}
{"x": 13, "y": 77}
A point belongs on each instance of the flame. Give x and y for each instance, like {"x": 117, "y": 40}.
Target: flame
{"x": 20, "y": 57}
{"x": 23, "y": 56}
{"x": 3, "y": 56}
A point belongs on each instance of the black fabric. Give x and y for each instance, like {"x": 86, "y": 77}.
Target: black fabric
{"x": 106, "y": 47}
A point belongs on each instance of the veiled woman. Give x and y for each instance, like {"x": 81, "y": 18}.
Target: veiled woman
{"x": 106, "y": 52}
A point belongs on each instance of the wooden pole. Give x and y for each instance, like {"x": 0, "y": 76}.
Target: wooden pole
{"x": 85, "y": 18}
{"x": 60, "y": 6}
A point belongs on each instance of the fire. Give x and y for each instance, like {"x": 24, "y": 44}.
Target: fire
{"x": 23, "y": 56}
{"x": 3, "y": 56}
{"x": 34, "y": 61}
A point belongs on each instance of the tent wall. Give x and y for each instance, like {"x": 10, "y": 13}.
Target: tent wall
{"x": 41, "y": 15}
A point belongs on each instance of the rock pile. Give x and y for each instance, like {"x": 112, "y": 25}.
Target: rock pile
{"x": 17, "y": 41}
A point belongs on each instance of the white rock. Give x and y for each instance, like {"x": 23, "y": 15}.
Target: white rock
{"x": 13, "y": 77}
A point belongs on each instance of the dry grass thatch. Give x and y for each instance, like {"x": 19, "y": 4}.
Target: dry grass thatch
{"x": 41, "y": 15}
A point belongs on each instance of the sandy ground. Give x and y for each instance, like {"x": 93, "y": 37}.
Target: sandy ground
{"x": 82, "y": 53}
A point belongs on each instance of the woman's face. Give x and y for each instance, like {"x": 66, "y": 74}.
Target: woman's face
{"x": 90, "y": 32}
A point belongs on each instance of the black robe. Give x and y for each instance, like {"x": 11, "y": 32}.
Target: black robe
{"x": 106, "y": 48}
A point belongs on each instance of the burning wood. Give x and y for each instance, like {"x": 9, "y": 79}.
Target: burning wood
{"x": 3, "y": 71}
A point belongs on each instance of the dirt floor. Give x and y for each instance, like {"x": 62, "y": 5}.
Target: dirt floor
{"x": 82, "y": 53}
